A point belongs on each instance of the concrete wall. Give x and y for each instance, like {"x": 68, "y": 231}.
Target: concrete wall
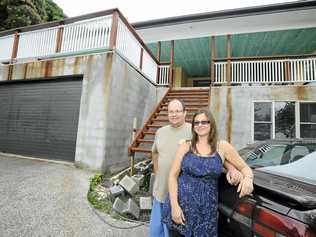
{"x": 4, "y": 72}
{"x": 113, "y": 93}
{"x": 232, "y": 107}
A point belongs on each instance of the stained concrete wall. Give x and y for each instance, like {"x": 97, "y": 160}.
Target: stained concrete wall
{"x": 113, "y": 93}
{"x": 4, "y": 72}
{"x": 232, "y": 106}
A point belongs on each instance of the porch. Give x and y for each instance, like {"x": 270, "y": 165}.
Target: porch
{"x": 217, "y": 60}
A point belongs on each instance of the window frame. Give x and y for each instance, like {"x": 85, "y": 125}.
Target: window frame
{"x": 272, "y": 102}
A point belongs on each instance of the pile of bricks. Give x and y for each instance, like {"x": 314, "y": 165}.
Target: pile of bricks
{"x": 126, "y": 191}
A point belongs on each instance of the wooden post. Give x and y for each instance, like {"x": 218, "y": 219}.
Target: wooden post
{"x": 141, "y": 59}
{"x": 171, "y": 63}
{"x": 132, "y": 157}
{"x": 15, "y": 45}
{"x": 59, "y": 40}
{"x": 113, "y": 35}
{"x": 158, "y": 59}
{"x": 229, "y": 55}
{"x": 213, "y": 56}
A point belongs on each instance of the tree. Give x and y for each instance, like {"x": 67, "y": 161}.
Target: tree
{"x": 19, "y": 13}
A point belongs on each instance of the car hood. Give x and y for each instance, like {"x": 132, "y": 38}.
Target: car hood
{"x": 296, "y": 192}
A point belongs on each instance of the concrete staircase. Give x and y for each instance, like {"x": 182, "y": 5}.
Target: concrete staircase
{"x": 194, "y": 99}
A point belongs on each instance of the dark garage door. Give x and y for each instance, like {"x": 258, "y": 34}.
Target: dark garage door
{"x": 40, "y": 118}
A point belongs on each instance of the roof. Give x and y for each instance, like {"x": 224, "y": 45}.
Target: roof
{"x": 282, "y": 16}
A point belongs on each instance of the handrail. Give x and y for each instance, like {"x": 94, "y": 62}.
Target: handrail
{"x": 140, "y": 133}
{"x": 294, "y": 56}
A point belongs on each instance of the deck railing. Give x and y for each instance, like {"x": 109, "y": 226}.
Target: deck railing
{"x": 164, "y": 71}
{"x": 266, "y": 71}
{"x": 82, "y": 35}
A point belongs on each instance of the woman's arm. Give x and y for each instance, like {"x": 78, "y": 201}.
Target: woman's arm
{"x": 230, "y": 154}
{"x": 177, "y": 214}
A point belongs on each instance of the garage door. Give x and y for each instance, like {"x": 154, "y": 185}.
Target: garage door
{"x": 40, "y": 118}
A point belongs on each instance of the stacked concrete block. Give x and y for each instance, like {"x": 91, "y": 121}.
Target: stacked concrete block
{"x": 116, "y": 190}
{"x": 145, "y": 203}
{"x": 129, "y": 185}
{"x": 139, "y": 179}
{"x": 128, "y": 207}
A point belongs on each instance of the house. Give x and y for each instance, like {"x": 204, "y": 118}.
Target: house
{"x": 73, "y": 89}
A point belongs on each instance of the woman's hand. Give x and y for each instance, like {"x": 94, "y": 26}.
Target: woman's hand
{"x": 245, "y": 186}
{"x": 233, "y": 176}
{"x": 177, "y": 215}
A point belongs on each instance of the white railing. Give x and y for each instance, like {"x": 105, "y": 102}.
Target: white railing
{"x": 303, "y": 70}
{"x": 164, "y": 74}
{"x": 220, "y": 72}
{"x": 37, "y": 43}
{"x": 6, "y": 46}
{"x": 127, "y": 44}
{"x": 149, "y": 67}
{"x": 85, "y": 35}
{"x": 267, "y": 71}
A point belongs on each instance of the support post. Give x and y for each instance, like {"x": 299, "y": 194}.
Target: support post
{"x": 213, "y": 56}
{"x": 132, "y": 157}
{"x": 171, "y": 63}
{"x": 113, "y": 35}
{"x": 229, "y": 55}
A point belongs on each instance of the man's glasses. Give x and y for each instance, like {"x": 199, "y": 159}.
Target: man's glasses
{"x": 203, "y": 122}
{"x": 175, "y": 112}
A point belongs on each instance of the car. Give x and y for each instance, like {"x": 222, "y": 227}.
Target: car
{"x": 276, "y": 152}
{"x": 283, "y": 202}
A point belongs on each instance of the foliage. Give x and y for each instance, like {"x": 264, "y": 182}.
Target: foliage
{"x": 95, "y": 180}
{"x": 20, "y": 13}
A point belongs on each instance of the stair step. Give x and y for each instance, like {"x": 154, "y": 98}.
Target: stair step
{"x": 165, "y": 114}
{"x": 188, "y": 104}
{"x": 187, "y": 96}
{"x": 154, "y": 126}
{"x": 188, "y": 100}
{"x": 188, "y": 93}
{"x": 145, "y": 141}
{"x": 187, "y": 109}
{"x": 149, "y": 132}
{"x": 143, "y": 150}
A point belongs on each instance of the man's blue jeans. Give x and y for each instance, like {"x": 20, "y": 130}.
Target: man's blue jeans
{"x": 156, "y": 227}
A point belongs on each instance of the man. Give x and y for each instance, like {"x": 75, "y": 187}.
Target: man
{"x": 167, "y": 141}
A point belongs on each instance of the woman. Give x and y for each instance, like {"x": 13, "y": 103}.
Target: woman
{"x": 193, "y": 180}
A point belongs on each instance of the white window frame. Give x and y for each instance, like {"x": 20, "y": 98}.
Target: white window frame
{"x": 297, "y": 115}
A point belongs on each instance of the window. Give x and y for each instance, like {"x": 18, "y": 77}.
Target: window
{"x": 308, "y": 120}
{"x": 279, "y": 120}
{"x": 262, "y": 121}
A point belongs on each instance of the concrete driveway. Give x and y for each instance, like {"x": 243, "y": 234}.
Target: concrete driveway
{"x": 40, "y": 198}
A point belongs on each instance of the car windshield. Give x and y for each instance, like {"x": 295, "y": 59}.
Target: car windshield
{"x": 302, "y": 169}
{"x": 265, "y": 155}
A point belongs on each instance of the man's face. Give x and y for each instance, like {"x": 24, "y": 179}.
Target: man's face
{"x": 176, "y": 115}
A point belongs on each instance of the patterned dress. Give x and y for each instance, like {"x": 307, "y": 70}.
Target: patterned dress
{"x": 197, "y": 196}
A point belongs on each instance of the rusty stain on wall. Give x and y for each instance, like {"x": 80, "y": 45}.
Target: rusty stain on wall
{"x": 48, "y": 68}
{"x": 76, "y": 67}
{"x": 229, "y": 111}
{"x": 301, "y": 93}
{"x": 10, "y": 71}
{"x": 25, "y": 71}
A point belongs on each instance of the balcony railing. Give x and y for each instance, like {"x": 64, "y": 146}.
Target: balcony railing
{"x": 266, "y": 71}
{"x": 108, "y": 31}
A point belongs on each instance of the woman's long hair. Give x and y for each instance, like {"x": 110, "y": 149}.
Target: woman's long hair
{"x": 212, "y": 136}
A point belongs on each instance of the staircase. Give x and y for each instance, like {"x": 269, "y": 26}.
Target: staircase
{"x": 194, "y": 99}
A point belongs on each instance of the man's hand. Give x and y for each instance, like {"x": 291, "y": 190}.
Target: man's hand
{"x": 177, "y": 215}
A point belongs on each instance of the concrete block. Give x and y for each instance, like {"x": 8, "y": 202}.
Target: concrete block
{"x": 151, "y": 183}
{"x": 119, "y": 205}
{"x": 129, "y": 185}
{"x": 116, "y": 190}
{"x": 132, "y": 208}
{"x": 139, "y": 179}
{"x": 128, "y": 207}
{"x": 145, "y": 203}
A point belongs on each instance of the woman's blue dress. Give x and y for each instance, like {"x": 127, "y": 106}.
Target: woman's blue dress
{"x": 197, "y": 196}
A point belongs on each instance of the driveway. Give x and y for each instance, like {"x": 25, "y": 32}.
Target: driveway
{"x": 40, "y": 198}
